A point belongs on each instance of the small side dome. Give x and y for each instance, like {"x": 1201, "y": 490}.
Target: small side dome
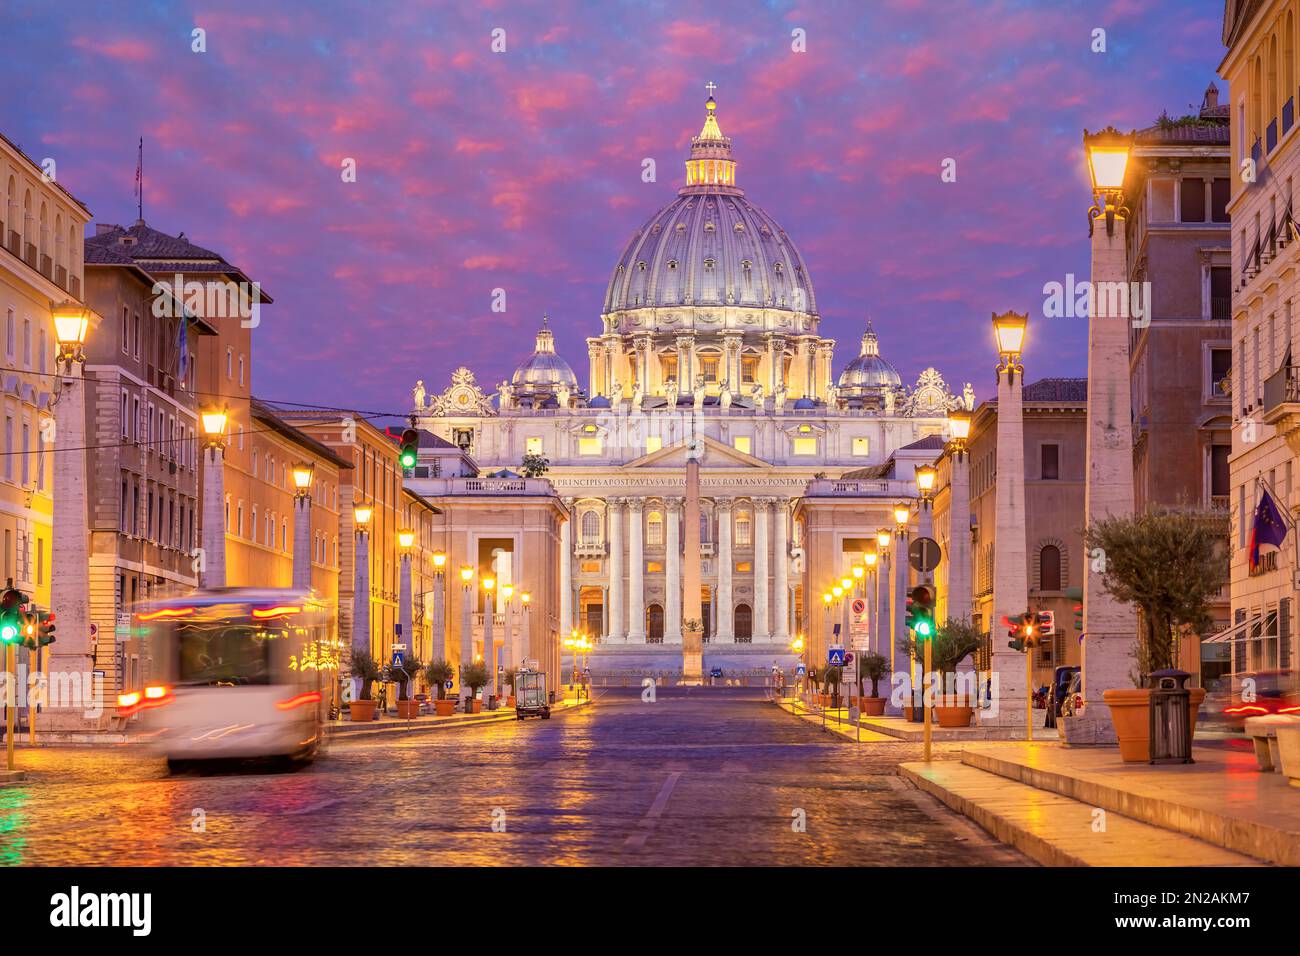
{"x": 543, "y": 372}
{"x": 804, "y": 403}
{"x": 869, "y": 372}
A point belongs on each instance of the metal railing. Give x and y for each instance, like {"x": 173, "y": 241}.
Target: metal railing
{"x": 1282, "y": 387}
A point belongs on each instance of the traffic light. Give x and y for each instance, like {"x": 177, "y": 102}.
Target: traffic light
{"x": 44, "y": 628}
{"x": 920, "y": 612}
{"x": 410, "y": 445}
{"x": 11, "y": 616}
{"x": 1024, "y": 631}
{"x": 1046, "y": 623}
{"x": 1078, "y": 617}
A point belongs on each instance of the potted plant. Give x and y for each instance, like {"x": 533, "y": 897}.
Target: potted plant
{"x": 405, "y": 679}
{"x": 366, "y": 670}
{"x": 954, "y": 640}
{"x": 832, "y": 681}
{"x": 813, "y": 684}
{"x": 508, "y": 677}
{"x": 872, "y": 667}
{"x": 475, "y": 677}
{"x": 1169, "y": 564}
{"x": 436, "y": 675}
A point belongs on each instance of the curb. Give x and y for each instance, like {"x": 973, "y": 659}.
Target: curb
{"x": 415, "y": 728}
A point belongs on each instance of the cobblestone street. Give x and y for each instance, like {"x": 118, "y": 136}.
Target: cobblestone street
{"x": 699, "y": 777}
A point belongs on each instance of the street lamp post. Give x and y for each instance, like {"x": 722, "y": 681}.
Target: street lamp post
{"x": 902, "y": 517}
{"x": 212, "y": 559}
{"x": 438, "y": 650}
{"x": 361, "y": 513}
{"x": 871, "y": 558}
{"x": 466, "y": 631}
{"x": 884, "y": 542}
{"x": 1109, "y": 627}
{"x": 405, "y": 600}
{"x": 70, "y": 580}
{"x": 303, "y": 473}
{"x": 489, "y": 639}
{"x": 523, "y": 645}
{"x": 1010, "y": 582}
{"x": 957, "y": 600}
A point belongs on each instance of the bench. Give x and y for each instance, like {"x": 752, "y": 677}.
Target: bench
{"x": 1288, "y": 748}
{"x": 1263, "y": 732}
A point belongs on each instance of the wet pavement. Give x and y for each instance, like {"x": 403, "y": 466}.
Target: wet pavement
{"x": 698, "y": 777}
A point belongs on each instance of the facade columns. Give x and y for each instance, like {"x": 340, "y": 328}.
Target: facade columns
{"x": 685, "y": 363}
{"x": 617, "y": 616}
{"x": 673, "y": 568}
{"x": 594, "y": 377}
{"x": 780, "y": 583}
{"x": 723, "y": 611}
{"x": 762, "y": 629}
{"x": 566, "y": 570}
{"x": 636, "y": 571}
{"x": 466, "y": 639}
{"x": 1010, "y": 562}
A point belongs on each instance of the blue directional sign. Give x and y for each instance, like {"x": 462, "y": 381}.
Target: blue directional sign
{"x": 835, "y": 655}
{"x": 448, "y": 684}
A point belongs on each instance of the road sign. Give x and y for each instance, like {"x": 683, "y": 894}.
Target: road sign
{"x": 399, "y": 647}
{"x": 800, "y": 671}
{"x": 858, "y": 633}
{"x": 835, "y": 655}
{"x": 449, "y": 683}
{"x": 398, "y": 659}
{"x": 924, "y": 554}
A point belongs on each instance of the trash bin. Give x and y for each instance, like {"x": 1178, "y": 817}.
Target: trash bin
{"x": 1171, "y": 726}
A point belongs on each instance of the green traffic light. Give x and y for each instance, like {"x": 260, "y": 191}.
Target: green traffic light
{"x": 408, "y": 459}
{"x": 923, "y": 628}
{"x": 8, "y": 633}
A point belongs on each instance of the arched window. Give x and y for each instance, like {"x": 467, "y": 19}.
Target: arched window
{"x": 705, "y": 531}
{"x": 744, "y": 619}
{"x": 744, "y": 530}
{"x": 1049, "y": 568}
{"x": 654, "y": 624}
{"x": 590, "y": 528}
{"x": 654, "y": 529}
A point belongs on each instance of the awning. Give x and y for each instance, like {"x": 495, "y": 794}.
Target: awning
{"x": 1234, "y": 633}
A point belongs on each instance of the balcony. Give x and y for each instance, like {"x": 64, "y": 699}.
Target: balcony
{"x": 590, "y": 549}
{"x": 1282, "y": 399}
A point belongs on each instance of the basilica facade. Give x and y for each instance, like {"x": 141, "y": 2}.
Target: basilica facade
{"x": 709, "y": 338}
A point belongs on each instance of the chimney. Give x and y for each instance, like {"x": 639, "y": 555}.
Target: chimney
{"x": 1211, "y": 100}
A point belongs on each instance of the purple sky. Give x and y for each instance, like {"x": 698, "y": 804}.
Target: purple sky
{"x": 522, "y": 169}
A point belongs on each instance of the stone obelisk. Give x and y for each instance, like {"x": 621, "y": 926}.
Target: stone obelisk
{"x": 692, "y": 612}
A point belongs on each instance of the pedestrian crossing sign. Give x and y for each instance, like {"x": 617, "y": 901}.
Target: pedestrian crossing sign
{"x": 398, "y": 659}
{"x": 835, "y": 655}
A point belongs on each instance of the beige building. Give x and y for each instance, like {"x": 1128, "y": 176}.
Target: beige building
{"x": 41, "y": 225}
{"x": 1261, "y": 69}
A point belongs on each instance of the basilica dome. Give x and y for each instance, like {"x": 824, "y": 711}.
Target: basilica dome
{"x": 544, "y": 370}
{"x": 868, "y": 372}
{"x": 711, "y": 246}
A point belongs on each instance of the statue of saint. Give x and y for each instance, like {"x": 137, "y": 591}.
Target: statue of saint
{"x": 724, "y": 395}
{"x": 756, "y": 393}
{"x": 637, "y": 395}
{"x": 506, "y": 392}
{"x": 418, "y": 393}
{"x": 698, "y": 394}
{"x": 968, "y": 397}
{"x": 779, "y": 395}
{"x": 616, "y": 395}
{"x": 670, "y": 392}
{"x": 889, "y": 401}
{"x": 562, "y": 396}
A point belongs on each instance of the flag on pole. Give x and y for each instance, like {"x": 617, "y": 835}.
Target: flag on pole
{"x": 182, "y": 348}
{"x": 1267, "y": 527}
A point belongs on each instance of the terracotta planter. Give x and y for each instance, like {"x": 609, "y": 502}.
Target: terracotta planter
{"x": 408, "y": 709}
{"x": 510, "y": 701}
{"x": 873, "y": 706}
{"x": 478, "y": 706}
{"x": 360, "y": 710}
{"x": 444, "y": 708}
{"x": 954, "y": 716}
{"x": 1130, "y": 712}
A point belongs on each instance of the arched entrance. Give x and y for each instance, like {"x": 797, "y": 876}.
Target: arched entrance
{"x": 744, "y": 619}
{"x": 654, "y": 624}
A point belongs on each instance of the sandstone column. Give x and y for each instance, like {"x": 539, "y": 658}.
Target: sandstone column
{"x": 673, "y": 569}
{"x": 723, "y": 610}
{"x": 780, "y": 583}
{"x": 301, "y": 541}
{"x": 958, "y": 556}
{"x": 636, "y": 571}
{"x": 617, "y": 615}
{"x": 762, "y": 629}
{"x": 213, "y": 529}
{"x": 566, "y": 570}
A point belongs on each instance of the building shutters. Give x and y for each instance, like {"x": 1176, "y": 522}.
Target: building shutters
{"x": 1239, "y": 646}
{"x": 1284, "y": 634}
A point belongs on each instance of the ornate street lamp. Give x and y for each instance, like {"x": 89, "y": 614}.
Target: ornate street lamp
{"x": 212, "y": 541}
{"x": 71, "y": 323}
{"x": 303, "y": 473}
{"x": 925, "y": 479}
{"x": 959, "y": 420}
{"x": 213, "y": 422}
{"x": 405, "y": 539}
{"x": 1108, "y": 152}
{"x": 1009, "y": 330}
{"x": 361, "y": 513}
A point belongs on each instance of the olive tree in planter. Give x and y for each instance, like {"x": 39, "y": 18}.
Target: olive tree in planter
{"x": 405, "y": 678}
{"x": 474, "y": 676}
{"x": 436, "y": 675}
{"x": 834, "y": 675}
{"x": 954, "y": 640}
{"x": 1169, "y": 564}
{"x": 872, "y": 667}
{"x": 366, "y": 669}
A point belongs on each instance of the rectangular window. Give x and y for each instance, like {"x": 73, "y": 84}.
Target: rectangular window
{"x": 805, "y": 446}
{"x": 1220, "y": 192}
{"x": 653, "y": 443}
{"x": 27, "y": 343}
{"x": 126, "y": 329}
{"x": 40, "y": 562}
{"x": 861, "y": 446}
{"x": 589, "y": 446}
{"x": 1192, "y": 200}
{"x": 744, "y": 567}
{"x": 9, "y": 447}
{"x": 1220, "y": 293}
{"x": 1219, "y": 482}
{"x": 654, "y": 567}
{"x": 1050, "y": 462}
{"x": 533, "y": 446}
{"x": 45, "y": 351}
{"x": 743, "y": 443}
{"x": 26, "y": 470}
{"x": 10, "y": 321}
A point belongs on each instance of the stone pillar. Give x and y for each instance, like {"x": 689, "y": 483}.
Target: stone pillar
{"x": 636, "y": 571}
{"x": 692, "y": 610}
{"x": 723, "y": 610}
{"x": 1109, "y": 628}
{"x": 685, "y": 363}
{"x": 566, "y": 570}
{"x": 958, "y": 558}
{"x": 466, "y": 637}
{"x": 673, "y": 571}
{"x": 302, "y": 541}
{"x": 762, "y": 557}
{"x": 617, "y": 614}
{"x": 213, "y": 529}
{"x": 406, "y": 604}
{"x": 489, "y": 646}
{"x": 1010, "y": 568}
{"x": 594, "y": 377}
{"x": 72, "y": 656}
{"x": 438, "y": 651}
{"x": 780, "y": 582}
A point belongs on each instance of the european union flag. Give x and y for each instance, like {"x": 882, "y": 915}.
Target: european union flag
{"x": 1267, "y": 527}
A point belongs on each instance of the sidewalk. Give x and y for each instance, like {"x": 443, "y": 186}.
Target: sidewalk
{"x": 392, "y": 725}
{"x": 835, "y": 721}
{"x": 1047, "y": 799}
